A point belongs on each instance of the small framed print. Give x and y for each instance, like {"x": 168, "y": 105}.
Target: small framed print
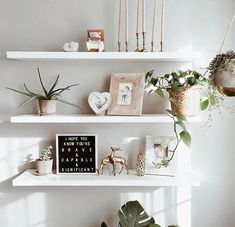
{"x": 158, "y": 151}
{"x": 95, "y": 40}
{"x": 127, "y": 91}
{"x": 76, "y": 154}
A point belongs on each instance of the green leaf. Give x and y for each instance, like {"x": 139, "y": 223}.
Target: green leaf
{"x": 151, "y": 91}
{"x": 68, "y": 103}
{"x": 154, "y": 225}
{"x": 132, "y": 214}
{"x": 20, "y": 92}
{"x": 212, "y": 99}
{"x": 181, "y": 123}
{"x": 170, "y": 112}
{"x": 103, "y": 224}
{"x": 160, "y": 92}
{"x": 149, "y": 74}
{"x": 204, "y": 104}
{"x": 157, "y": 165}
{"x": 54, "y": 85}
{"x": 40, "y": 79}
{"x": 181, "y": 117}
{"x": 176, "y": 87}
{"x": 186, "y": 138}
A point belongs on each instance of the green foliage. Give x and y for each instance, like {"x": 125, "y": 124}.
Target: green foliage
{"x": 186, "y": 137}
{"x": 177, "y": 80}
{"x": 48, "y": 94}
{"x": 103, "y": 224}
{"x": 46, "y": 154}
{"x": 205, "y": 104}
{"x": 132, "y": 214}
{"x": 220, "y": 62}
{"x": 174, "y": 80}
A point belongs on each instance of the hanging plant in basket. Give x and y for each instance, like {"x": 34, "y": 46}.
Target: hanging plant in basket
{"x": 222, "y": 68}
{"x": 222, "y": 73}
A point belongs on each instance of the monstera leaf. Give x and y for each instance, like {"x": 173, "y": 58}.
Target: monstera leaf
{"x": 103, "y": 224}
{"x": 132, "y": 214}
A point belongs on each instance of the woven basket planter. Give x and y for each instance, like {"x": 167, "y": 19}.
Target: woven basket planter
{"x": 186, "y": 101}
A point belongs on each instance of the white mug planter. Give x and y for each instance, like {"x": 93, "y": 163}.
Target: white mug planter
{"x": 47, "y": 107}
{"x": 44, "y": 167}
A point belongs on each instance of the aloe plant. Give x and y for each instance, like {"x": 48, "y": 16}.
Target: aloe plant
{"x": 53, "y": 93}
{"x": 132, "y": 214}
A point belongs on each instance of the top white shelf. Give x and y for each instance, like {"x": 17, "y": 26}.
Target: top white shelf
{"x": 121, "y": 56}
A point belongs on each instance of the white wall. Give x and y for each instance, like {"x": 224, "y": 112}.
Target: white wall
{"x": 46, "y": 25}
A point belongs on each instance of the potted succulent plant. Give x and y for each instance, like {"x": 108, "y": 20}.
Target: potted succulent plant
{"x": 45, "y": 162}
{"x": 47, "y": 101}
{"x": 222, "y": 73}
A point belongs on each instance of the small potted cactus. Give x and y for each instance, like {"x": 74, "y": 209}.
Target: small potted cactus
{"x": 44, "y": 163}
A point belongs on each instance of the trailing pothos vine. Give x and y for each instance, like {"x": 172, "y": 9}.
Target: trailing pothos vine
{"x": 177, "y": 81}
{"x": 181, "y": 134}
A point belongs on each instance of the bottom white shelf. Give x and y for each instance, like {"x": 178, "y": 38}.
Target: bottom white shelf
{"x": 28, "y": 178}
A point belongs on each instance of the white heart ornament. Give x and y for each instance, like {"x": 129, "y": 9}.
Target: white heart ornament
{"x": 99, "y": 102}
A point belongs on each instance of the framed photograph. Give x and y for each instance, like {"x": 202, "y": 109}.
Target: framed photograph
{"x": 158, "y": 151}
{"x": 76, "y": 154}
{"x": 127, "y": 91}
{"x": 95, "y": 40}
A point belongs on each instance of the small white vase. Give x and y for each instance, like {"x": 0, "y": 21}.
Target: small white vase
{"x": 44, "y": 167}
{"x": 47, "y": 107}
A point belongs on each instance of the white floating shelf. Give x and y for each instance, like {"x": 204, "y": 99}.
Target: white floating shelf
{"x": 79, "y": 118}
{"x": 132, "y": 56}
{"x": 28, "y": 178}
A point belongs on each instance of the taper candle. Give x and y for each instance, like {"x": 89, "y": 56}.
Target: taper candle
{"x": 138, "y": 17}
{"x": 126, "y": 8}
{"x": 120, "y": 21}
{"x": 162, "y": 24}
{"x": 143, "y": 15}
{"x": 154, "y": 20}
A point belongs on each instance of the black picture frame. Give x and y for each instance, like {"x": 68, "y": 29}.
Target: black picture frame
{"x": 76, "y": 153}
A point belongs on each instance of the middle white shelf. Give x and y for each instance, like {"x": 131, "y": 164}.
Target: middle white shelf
{"x": 82, "y": 118}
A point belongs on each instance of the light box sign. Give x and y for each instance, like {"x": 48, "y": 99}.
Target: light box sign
{"x": 76, "y": 154}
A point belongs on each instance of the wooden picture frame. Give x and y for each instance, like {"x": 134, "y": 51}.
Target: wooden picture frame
{"x": 156, "y": 152}
{"x": 127, "y": 90}
{"x": 95, "y": 40}
{"x": 76, "y": 153}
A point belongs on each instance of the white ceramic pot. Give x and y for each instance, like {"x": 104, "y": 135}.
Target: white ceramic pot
{"x": 225, "y": 82}
{"x": 47, "y": 107}
{"x": 44, "y": 167}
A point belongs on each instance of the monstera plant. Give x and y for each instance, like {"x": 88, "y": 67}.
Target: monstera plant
{"x": 132, "y": 214}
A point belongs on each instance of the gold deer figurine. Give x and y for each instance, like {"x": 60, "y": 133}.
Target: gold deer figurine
{"x": 113, "y": 160}
{"x": 104, "y": 162}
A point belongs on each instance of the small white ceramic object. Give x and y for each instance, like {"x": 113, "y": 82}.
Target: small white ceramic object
{"x": 44, "y": 167}
{"x": 71, "y": 47}
{"x": 99, "y": 102}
